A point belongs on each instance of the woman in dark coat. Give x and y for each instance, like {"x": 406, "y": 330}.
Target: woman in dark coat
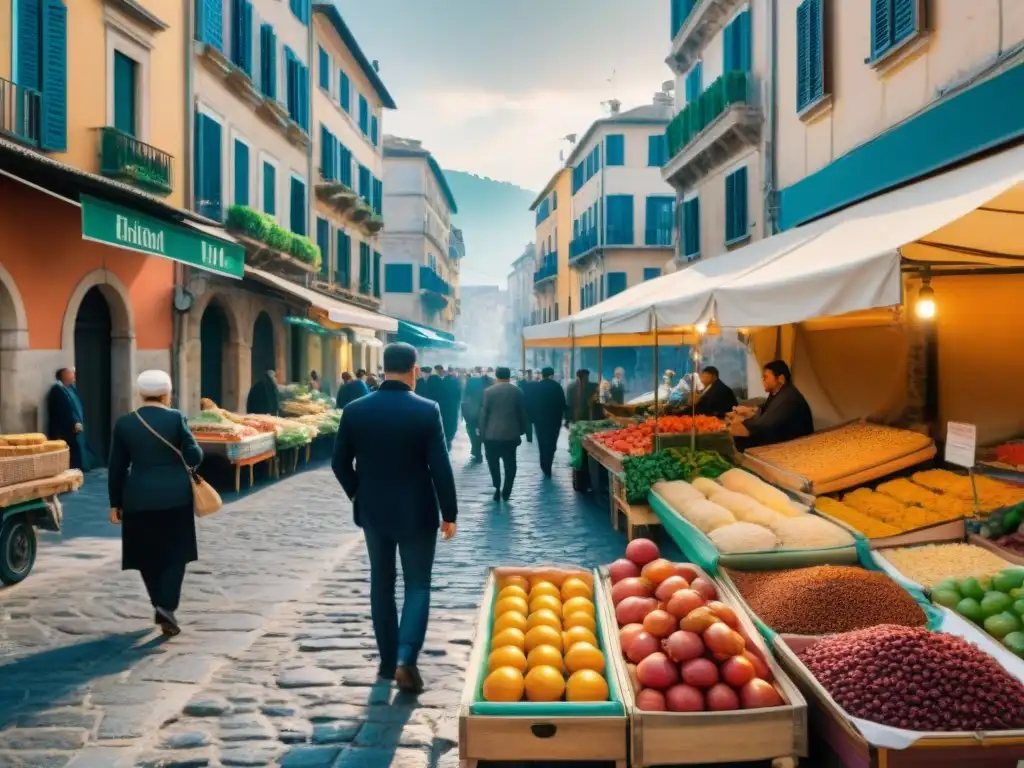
{"x": 151, "y": 495}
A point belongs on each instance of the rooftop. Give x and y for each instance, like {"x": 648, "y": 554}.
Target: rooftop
{"x": 333, "y": 15}
{"x": 396, "y": 146}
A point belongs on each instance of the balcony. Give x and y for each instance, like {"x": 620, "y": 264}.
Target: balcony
{"x": 334, "y": 192}
{"x": 695, "y": 22}
{"x": 127, "y": 159}
{"x": 658, "y": 237}
{"x": 434, "y": 291}
{"x": 20, "y": 112}
{"x": 582, "y": 244}
{"x": 548, "y": 269}
{"x": 270, "y": 246}
{"x": 725, "y": 119}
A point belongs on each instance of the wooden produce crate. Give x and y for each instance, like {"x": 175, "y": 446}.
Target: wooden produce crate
{"x": 1016, "y": 558}
{"x": 65, "y": 482}
{"x": 778, "y": 734}
{"x": 637, "y": 515}
{"x": 720, "y": 442}
{"x": 539, "y": 732}
{"x": 608, "y": 459}
{"x": 37, "y": 466}
{"x": 932, "y": 750}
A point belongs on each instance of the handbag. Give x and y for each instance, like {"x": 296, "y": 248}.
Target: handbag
{"x": 205, "y": 499}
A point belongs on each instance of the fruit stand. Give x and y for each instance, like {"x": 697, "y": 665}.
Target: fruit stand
{"x": 527, "y": 697}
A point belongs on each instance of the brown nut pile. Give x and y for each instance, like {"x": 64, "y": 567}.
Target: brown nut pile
{"x": 826, "y": 599}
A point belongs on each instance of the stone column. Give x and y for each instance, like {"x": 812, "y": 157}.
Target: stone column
{"x": 237, "y": 375}
{"x": 914, "y": 414}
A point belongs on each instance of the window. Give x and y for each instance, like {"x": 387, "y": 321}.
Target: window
{"x": 694, "y": 82}
{"x": 241, "y": 168}
{"x": 892, "y": 22}
{"x": 810, "y": 63}
{"x": 364, "y": 115}
{"x": 297, "y": 93}
{"x": 268, "y": 61}
{"x": 398, "y": 278}
{"x": 373, "y": 130}
{"x": 41, "y": 64}
{"x": 736, "y": 44}
{"x": 619, "y": 229}
{"x": 268, "y": 184}
{"x": 616, "y": 282}
{"x": 658, "y": 228}
{"x": 297, "y": 217}
{"x": 680, "y": 12}
{"x": 365, "y": 188}
{"x": 324, "y": 63}
{"x": 736, "y": 226}
{"x": 241, "y": 35}
{"x": 377, "y": 196}
{"x": 364, "y": 268}
{"x": 615, "y": 149}
{"x": 345, "y": 92}
{"x": 300, "y": 8}
{"x": 328, "y": 154}
{"x": 376, "y": 274}
{"x": 207, "y": 170}
{"x": 657, "y": 150}
{"x": 343, "y": 259}
{"x": 126, "y": 89}
{"x": 323, "y": 241}
{"x": 650, "y": 273}
{"x": 210, "y": 23}
{"x": 345, "y": 166}
{"x": 691, "y": 228}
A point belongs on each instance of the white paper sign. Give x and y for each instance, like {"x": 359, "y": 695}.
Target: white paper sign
{"x": 961, "y": 443}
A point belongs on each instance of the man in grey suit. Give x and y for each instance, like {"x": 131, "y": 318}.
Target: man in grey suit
{"x": 503, "y": 421}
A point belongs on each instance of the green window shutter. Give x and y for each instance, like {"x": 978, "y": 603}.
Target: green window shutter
{"x": 398, "y": 278}
{"x": 210, "y": 23}
{"x": 816, "y": 50}
{"x": 803, "y": 54}
{"x": 729, "y": 47}
{"x": 54, "y": 133}
{"x": 694, "y": 82}
{"x": 298, "y": 207}
{"x": 736, "y": 225}
{"x": 373, "y": 129}
{"x": 208, "y": 167}
{"x": 616, "y": 282}
{"x": 364, "y": 183}
{"x": 29, "y": 39}
{"x": 269, "y": 189}
{"x": 241, "y": 173}
{"x": 328, "y": 145}
{"x": 691, "y": 227}
{"x": 344, "y": 259}
{"x": 125, "y": 90}
{"x": 324, "y": 62}
{"x": 651, "y": 273}
{"x": 881, "y": 27}
{"x": 291, "y": 92}
{"x": 364, "y": 268}
{"x": 268, "y": 61}
{"x": 615, "y": 149}
{"x": 323, "y": 241}
{"x": 243, "y": 23}
{"x": 904, "y": 19}
{"x": 345, "y": 92}
{"x": 364, "y": 115}
{"x": 304, "y": 97}
{"x": 743, "y": 41}
{"x": 376, "y": 274}
{"x": 619, "y": 222}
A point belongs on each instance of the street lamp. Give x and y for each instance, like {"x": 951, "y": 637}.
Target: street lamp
{"x": 924, "y": 306}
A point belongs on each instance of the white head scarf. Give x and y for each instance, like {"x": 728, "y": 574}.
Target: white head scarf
{"x": 153, "y": 384}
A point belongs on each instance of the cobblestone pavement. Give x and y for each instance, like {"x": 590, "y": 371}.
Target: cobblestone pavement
{"x": 277, "y": 662}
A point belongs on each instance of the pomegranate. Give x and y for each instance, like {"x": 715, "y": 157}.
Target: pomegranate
{"x": 642, "y": 551}
{"x": 657, "y": 671}
{"x": 643, "y": 645}
{"x": 650, "y": 701}
{"x": 660, "y": 623}
{"x": 631, "y": 586}
{"x": 722, "y": 698}
{"x": 682, "y": 646}
{"x": 633, "y": 610}
{"x": 684, "y": 698}
{"x": 700, "y": 673}
{"x": 682, "y": 602}
{"x": 628, "y": 633}
{"x": 704, "y": 587}
{"x": 758, "y": 694}
{"x": 737, "y": 671}
{"x": 622, "y": 569}
{"x": 669, "y": 587}
{"x": 687, "y": 571}
{"x": 723, "y": 642}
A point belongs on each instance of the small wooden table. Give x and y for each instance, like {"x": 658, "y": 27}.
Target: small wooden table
{"x": 251, "y": 462}
{"x": 637, "y": 515}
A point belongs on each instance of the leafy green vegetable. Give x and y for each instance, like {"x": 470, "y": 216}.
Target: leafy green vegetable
{"x": 706, "y": 463}
{"x": 641, "y": 472}
{"x": 580, "y": 430}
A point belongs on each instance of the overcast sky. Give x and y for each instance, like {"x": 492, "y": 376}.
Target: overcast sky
{"x": 491, "y": 86}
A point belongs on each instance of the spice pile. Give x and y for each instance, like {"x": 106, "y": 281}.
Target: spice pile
{"x": 992, "y": 494}
{"x": 933, "y": 563}
{"x": 917, "y": 680}
{"x": 826, "y": 599}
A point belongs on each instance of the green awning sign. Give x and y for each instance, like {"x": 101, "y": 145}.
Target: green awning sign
{"x": 120, "y": 227}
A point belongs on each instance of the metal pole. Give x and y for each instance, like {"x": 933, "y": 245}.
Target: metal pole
{"x": 657, "y": 383}
{"x": 693, "y": 395}
{"x": 600, "y": 356}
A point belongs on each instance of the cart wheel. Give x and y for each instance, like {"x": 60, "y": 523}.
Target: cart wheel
{"x": 17, "y": 549}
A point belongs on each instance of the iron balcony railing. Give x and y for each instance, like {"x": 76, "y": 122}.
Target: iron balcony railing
{"x": 433, "y": 282}
{"x": 125, "y": 157}
{"x": 731, "y": 88}
{"x": 548, "y": 267}
{"x": 20, "y": 112}
{"x": 583, "y": 243}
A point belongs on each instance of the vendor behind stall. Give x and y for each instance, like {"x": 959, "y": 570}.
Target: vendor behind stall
{"x": 717, "y": 399}
{"x": 264, "y": 396}
{"x": 784, "y": 416}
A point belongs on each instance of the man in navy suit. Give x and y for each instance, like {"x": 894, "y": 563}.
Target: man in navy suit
{"x": 391, "y": 458}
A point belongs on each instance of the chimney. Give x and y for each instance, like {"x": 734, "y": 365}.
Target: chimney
{"x": 376, "y": 65}
{"x": 614, "y": 105}
{"x": 663, "y": 98}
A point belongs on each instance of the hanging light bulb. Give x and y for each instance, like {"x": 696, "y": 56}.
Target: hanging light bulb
{"x": 924, "y": 307}
{"x": 701, "y": 328}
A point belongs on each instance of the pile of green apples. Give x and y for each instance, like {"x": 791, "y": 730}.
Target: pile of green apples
{"x": 995, "y": 603}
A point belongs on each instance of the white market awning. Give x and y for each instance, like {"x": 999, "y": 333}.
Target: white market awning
{"x": 337, "y": 310}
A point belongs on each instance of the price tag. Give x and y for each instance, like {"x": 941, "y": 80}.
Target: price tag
{"x": 961, "y": 443}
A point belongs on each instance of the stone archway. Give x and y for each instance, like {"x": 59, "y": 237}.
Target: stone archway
{"x": 224, "y": 333}
{"x": 264, "y": 345}
{"x": 98, "y": 290}
{"x": 16, "y": 412}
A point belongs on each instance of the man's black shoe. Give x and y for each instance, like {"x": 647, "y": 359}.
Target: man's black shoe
{"x": 408, "y": 679}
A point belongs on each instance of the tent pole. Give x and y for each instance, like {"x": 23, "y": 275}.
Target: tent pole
{"x": 695, "y": 355}
{"x": 656, "y": 382}
{"x": 600, "y": 356}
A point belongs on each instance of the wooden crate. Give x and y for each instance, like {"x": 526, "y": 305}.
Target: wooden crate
{"x": 608, "y": 459}
{"x": 544, "y": 738}
{"x": 778, "y": 734}
{"x": 933, "y": 750}
{"x": 1014, "y": 558}
{"x": 637, "y": 515}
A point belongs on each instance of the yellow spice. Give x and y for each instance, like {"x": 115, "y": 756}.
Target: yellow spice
{"x": 930, "y": 564}
{"x": 869, "y": 526}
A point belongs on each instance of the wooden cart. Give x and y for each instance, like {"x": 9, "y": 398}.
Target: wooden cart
{"x": 548, "y": 738}
{"x": 933, "y": 750}
{"x": 25, "y": 506}
{"x": 778, "y": 734}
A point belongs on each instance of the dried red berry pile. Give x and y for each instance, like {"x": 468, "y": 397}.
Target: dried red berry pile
{"x": 908, "y": 677}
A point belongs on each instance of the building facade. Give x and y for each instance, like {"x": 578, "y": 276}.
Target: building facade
{"x": 520, "y": 311}
{"x": 484, "y": 308}
{"x": 622, "y": 210}
{"x": 93, "y": 144}
{"x": 721, "y": 59}
{"x": 420, "y": 268}
{"x": 554, "y": 283}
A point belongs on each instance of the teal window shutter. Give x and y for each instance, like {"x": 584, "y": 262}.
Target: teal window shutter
{"x": 615, "y": 149}
{"x": 269, "y": 189}
{"x": 345, "y": 92}
{"x": 125, "y": 90}
{"x": 364, "y": 183}
{"x": 810, "y": 76}
{"x": 29, "y": 40}
{"x": 376, "y": 274}
{"x": 398, "y": 278}
{"x": 241, "y": 173}
{"x": 210, "y": 23}
{"x": 304, "y": 97}
{"x": 659, "y": 212}
{"x": 325, "y": 69}
{"x": 904, "y": 19}
{"x": 343, "y": 259}
{"x": 373, "y": 129}
{"x": 323, "y": 241}
{"x": 364, "y": 268}
{"x": 695, "y": 82}
{"x": 364, "y": 115}
{"x": 881, "y": 27}
{"x": 208, "y": 167}
{"x": 816, "y": 80}
{"x": 54, "y": 133}
{"x": 691, "y": 228}
{"x": 268, "y": 61}
{"x": 345, "y": 161}
{"x": 619, "y": 223}
{"x": 650, "y": 273}
{"x": 241, "y": 35}
{"x": 743, "y": 56}
{"x": 328, "y": 154}
{"x": 298, "y": 207}
{"x": 729, "y": 47}
{"x": 657, "y": 150}
{"x": 736, "y": 225}
{"x": 616, "y": 282}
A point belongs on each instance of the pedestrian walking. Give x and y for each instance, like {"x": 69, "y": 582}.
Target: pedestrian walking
{"x": 353, "y": 389}
{"x": 151, "y": 495}
{"x": 372, "y": 382}
{"x": 452, "y": 405}
{"x": 547, "y": 412}
{"x": 390, "y": 458}
{"x": 472, "y": 400}
{"x": 525, "y": 384}
{"x": 264, "y": 396}
{"x": 503, "y": 421}
{"x": 66, "y": 418}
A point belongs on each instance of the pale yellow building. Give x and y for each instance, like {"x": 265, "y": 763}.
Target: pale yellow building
{"x": 554, "y": 283}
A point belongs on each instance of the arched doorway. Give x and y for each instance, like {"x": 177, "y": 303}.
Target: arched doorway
{"x": 264, "y": 353}
{"x": 93, "y": 333}
{"x": 13, "y": 337}
{"x": 213, "y": 339}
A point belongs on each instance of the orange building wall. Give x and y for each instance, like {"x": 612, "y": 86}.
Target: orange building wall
{"x": 44, "y": 252}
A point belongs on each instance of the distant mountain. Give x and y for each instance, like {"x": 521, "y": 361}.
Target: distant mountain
{"x": 496, "y": 221}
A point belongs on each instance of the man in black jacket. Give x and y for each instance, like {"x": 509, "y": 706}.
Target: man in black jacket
{"x": 525, "y": 385}
{"x": 717, "y": 399}
{"x": 784, "y": 416}
{"x": 547, "y": 409}
{"x": 502, "y": 422}
{"x": 391, "y": 460}
{"x": 472, "y": 400}
{"x": 451, "y": 404}
{"x": 66, "y": 417}
{"x": 264, "y": 396}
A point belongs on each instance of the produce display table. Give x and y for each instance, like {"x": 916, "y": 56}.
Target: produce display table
{"x": 251, "y": 463}
{"x": 240, "y": 452}
{"x": 637, "y": 515}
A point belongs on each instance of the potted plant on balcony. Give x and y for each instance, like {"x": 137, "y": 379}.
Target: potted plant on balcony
{"x": 374, "y": 224}
{"x": 267, "y": 242}
{"x": 150, "y": 179}
{"x": 361, "y": 211}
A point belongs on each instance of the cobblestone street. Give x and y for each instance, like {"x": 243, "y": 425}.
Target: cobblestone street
{"x": 277, "y": 663}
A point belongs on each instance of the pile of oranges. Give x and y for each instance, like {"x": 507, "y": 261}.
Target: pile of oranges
{"x": 544, "y": 644}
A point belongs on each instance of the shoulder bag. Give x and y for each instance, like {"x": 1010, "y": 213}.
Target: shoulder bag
{"x": 205, "y": 500}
